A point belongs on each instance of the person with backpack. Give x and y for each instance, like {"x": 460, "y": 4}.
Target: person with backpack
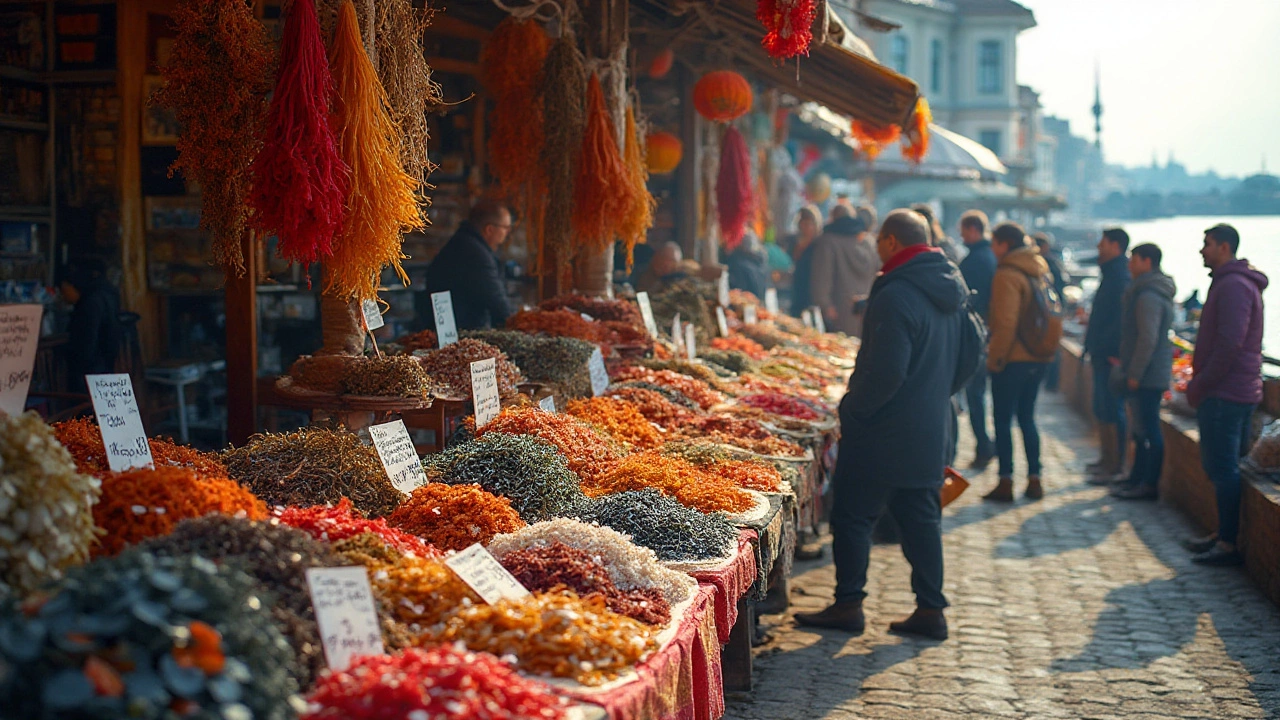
{"x": 1025, "y": 321}
{"x": 979, "y": 268}
{"x": 1102, "y": 343}
{"x": 895, "y": 422}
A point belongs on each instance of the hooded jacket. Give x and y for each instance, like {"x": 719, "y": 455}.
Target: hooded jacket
{"x": 1010, "y": 298}
{"x": 896, "y": 415}
{"x": 1146, "y": 355}
{"x": 1102, "y": 336}
{"x": 843, "y": 268}
{"x": 1228, "y": 359}
{"x": 468, "y": 268}
{"x": 94, "y": 334}
{"x": 979, "y": 268}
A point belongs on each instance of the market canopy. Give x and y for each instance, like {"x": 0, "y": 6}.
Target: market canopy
{"x": 839, "y": 72}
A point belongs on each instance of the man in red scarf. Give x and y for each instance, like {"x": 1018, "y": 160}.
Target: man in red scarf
{"x": 896, "y": 426}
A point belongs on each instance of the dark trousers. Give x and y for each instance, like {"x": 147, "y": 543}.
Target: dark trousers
{"x": 976, "y": 396}
{"x": 1224, "y": 438}
{"x": 1148, "y": 440}
{"x": 1013, "y": 392}
{"x": 1108, "y": 407}
{"x": 918, "y": 512}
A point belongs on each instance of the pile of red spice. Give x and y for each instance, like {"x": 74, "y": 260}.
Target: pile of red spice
{"x": 619, "y": 419}
{"x": 588, "y": 453}
{"x": 333, "y": 523}
{"x": 692, "y": 388}
{"x": 542, "y": 568}
{"x": 654, "y": 407}
{"x": 780, "y": 404}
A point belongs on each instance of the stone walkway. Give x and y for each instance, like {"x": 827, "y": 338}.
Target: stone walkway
{"x": 1074, "y": 607}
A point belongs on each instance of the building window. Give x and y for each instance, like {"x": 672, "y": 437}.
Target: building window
{"x": 990, "y": 67}
{"x": 898, "y": 50}
{"x": 935, "y": 66}
{"x": 991, "y": 139}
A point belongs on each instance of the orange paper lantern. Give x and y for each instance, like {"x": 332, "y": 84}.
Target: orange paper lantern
{"x": 662, "y": 64}
{"x": 663, "y": 152}
{"x": 722, "y": 96}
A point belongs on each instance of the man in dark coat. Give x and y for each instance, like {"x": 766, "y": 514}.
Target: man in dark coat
{"x": 896, "y": 426}
{"x": 1102, "y": 343}
{"x": 468, "y": 267}
{"x": 1044, "y": 241}
{"x": 979, "y": 269}
{"x": 748, "y": 266}
{"x": 94, "y": 332}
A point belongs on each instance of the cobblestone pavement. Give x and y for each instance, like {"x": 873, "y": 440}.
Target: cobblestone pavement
{"x": 1073, "y": 607}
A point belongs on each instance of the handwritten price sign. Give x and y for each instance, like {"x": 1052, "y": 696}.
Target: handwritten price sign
{"x": 345, "y": 613}
{"x": 19, "y": 336}
{"x": 120, "y": 421}
{"x": 399, "y": 456}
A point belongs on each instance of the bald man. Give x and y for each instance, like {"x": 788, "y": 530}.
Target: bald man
{"x": 895, "y": 426}
{"x": 665, "y": 267}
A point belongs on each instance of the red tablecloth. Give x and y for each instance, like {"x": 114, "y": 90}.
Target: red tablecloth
{"x": 731, "y": 581}
{"x": 681, "y": 681}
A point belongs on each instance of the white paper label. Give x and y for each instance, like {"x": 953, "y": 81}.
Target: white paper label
{"x": 806, "y": 317}
{"x": 372, "y": 314}
{"x": 749, "y": 315}
{"x": 484, "y": 390}
{"x": 676, "y": 337}
{"x": 442, "y": 308}
{"x": 599, "y": 375}
{"x": 722, "y": 289}
{"x": 771, "y": 300}
{"x": 587, "y": 317}
{"x": 119, "y": 420}
{"x": 345, "y": 613}
{"x": 548, "y": 404}
{"x": 819, "y": 322}
{"x": 482, "y": 572}
{"x": 19, "y": 337}
{"x": 690, "y": 342}
{"x": 722, "y": 322}
{"x": 646, "y": 312}
{"x": 399, "y": 456}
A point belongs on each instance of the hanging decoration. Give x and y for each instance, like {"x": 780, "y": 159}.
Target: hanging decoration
{"x": 382, "y": 200}
{"x": 722, "y": 96}
{"x": 663, "y": 152}
{"x": 915, "y": 141}
{"x": 216, "y": 80}
{"x": 563, "y": 89}
{"x": 789, "y": 24}
{"x": 511, "y": 68}
{"x": 638, "y": 218}
{"x": 872, "y": 139}
{"x": 406, "y": 78}
{"x": 818, "y": 188}
{"x": 662, "y": 63}
{"x": 600, "y": 189}
{"x": 733, "y": 188}
{"x": 299, "y": 180}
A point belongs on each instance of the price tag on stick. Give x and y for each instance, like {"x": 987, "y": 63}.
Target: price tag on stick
{"x": 749, "y": 315}
{"x": 819, "y": 322}
{"x": 771, "y": 300}
{"x": 806, "y": 317}
{"x": 676, "y": 337}
{"x": 599, "y": 375}
{"x": 547, "y": 404}
{"x": 484, "y": 391}
{"x": 646, "y": 312}
{"x": 690, "y": 342}
{"x": 482, "y": 572}
{"x": 119, "y": 421}
{"x": 345, "y": 613}
{"x": 722, "y": 289}
{"x": 442, "y": 308}
{"x": 399, "y": 456}
{"x": 722, "y": 322}
{"x": 19, "y": 337}
{"x": 372, "y": 314}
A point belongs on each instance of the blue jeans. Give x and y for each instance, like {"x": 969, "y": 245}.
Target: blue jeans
{"x": 856, "y": 508}
{"x": 1108, "y": 407}
{"x": 976, "y": 397}
{"x": 1013, "y": 392}
{"x": 1148, "y": 439}
{"x": 1224, "y": 438}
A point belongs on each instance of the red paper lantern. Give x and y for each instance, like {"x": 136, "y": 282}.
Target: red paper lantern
{"x": 662, "y": 63}
{"x": 722, "y": 96}
{"x": 663, "y": 152}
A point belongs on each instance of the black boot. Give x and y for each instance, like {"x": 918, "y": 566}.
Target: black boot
{"x": 924, "y": 622}
{"x": 846, "y": 616}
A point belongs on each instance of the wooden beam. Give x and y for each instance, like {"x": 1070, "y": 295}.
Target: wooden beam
{"x": 242, "y": 347}
{"x": 690, "y": 168}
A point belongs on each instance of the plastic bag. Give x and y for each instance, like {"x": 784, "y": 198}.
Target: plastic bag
{"x": 1265, "y": 455}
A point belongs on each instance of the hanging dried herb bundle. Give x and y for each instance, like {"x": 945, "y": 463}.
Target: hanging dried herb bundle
{"x": 299, "y": 179}
{"x": 406, "y": 78}
{"x": 382, "y": 201}
{"x": 638, "y": 218}
{"x": 216, "y": 81}
{"x": 733, "y": 188}
{"x": 529, "y": 472}
{"x": 511, "y": 70}
{"x": 600, "y": 187}
{"x": 563, "y": 89}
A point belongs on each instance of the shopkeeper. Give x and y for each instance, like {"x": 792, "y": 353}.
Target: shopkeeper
{"x": 468, "y": 266}
{"x": 94, "y": 332}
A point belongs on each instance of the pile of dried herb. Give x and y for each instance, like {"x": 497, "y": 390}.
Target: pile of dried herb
{"x": 455, "y": 517}
{"x": 82, "y": 438}
{"x": 543, "y": 568}
{"x": 422, "y": 340}
{"x": 528, "y": 471}
{"x": 598, "y": 308}
{"x": 339, "y": 522}
{"x": 618, "y": 419}
{"x": 673, "y": 477}
{"x": 696, "y": 390}
{"x": 322, "y": 373}
{"x": 587, "y": 453}
{"x": 141, "y": 636}
{"x": 450, "y": 366}
{"x": 560, "y": 362}
{"x": 313, "y": 466}
{"x": 733, "y": 360}
{"x": 689, "y": 298}
{"x": 660, "y": 523}
{"x": 419, "y": 591}
{"x": 388, "y": 376}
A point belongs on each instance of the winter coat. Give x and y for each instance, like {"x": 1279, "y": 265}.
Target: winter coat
{"x": 801, "y": 296}
{"x": 844, "y": 267}
{"x": 94, "y": 333}
{"x": 469, "y": 269}
{"x": 1102, "y": 337}
{"x": 1146, "y": 355}
{"x": 1010, "y": 298}
{"x": 895, "y": 417}
{"x": 979, "y": 268}
{"x": 1228, "y": 359}
{"x": 748, "y": 271}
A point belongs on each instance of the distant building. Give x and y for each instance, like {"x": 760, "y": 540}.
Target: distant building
{"x": 1078, "y": 169}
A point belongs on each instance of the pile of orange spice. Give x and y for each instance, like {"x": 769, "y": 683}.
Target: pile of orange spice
{"x": 82, "y": 438}
{"x": 748, "y": 474}
{"x": 619, "y": 419}
{"x": 692, "y": 388}
{"x": 588, "y": 453}
{"x": 455, "y": 517}
{"x": 746, "y": 346}
{"x": 654, "y": 407}
{"x": 675, "y": 477}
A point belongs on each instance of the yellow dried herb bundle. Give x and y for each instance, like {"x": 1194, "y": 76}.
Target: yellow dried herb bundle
{"x": 638, "y": 218}
{"x": 406, "y": 77}
{"x": 382, "y": 202}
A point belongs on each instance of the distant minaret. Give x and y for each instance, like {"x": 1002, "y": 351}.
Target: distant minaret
{"x": 1097, "y": 107}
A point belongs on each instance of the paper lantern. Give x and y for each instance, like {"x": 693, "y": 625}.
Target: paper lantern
{"x": 818, "y": 188}
{"x": 722, "y": 96}
{"x": 663, "y": 152}
{"x": 662, "y": 63}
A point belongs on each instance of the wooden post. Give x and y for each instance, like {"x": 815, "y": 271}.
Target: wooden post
{"x": 242, "y": 346}
{"x": 687, "y": 174}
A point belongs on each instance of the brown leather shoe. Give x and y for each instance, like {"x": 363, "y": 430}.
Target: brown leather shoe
{"x": 924, "y": 622}
{"x": 846, "y": 616}
{"x": 1035, "y": 490}
{"x": 1002, "y": 493}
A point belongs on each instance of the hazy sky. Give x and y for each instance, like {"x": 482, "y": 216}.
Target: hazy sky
{"x": 1198, "y": 77}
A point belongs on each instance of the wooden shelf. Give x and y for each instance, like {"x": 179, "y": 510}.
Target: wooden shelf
{"x": 58, "y": 77}
{"x": 7, "y": 123}
{"x": 16, "y": 73}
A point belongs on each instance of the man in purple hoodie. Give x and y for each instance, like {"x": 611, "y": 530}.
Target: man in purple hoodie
{"x": 1226, "y": 383}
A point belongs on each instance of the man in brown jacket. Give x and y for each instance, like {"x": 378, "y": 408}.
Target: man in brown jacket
{"x": 845, "y": 264}
{"x": 1016, "y": 373}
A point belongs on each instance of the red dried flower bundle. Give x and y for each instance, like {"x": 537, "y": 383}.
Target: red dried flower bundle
{"x": 733, "y": 188}
{"x": 511, "y": 69}
{"x": 789, "y": 24}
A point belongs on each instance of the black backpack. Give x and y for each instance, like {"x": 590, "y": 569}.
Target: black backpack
{"x": 973, "y": 346}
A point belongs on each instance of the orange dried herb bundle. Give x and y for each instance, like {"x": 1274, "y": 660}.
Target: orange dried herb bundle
{"x": 915, "y": 143}
{"x": 454, "y": 517}
{"x": 653, "y": 406}
{"x": 563, "y": 90}
{"x": 511, "y": 70}
{"x": 746, "y": 346}
{"x": 600, "y": 188}
{"x": 216, "y": 81}
{"x": 588, "y": 453}
{"x": 692, "y": 388}
{"x": 82, "y": 438}
{"x": 139, "y": 504}
{"x": 872, "y": 139}
{"x": 382, "y": 199}
{"x": 618, "y": 419}
{"x": 673, "y": 477}
{"x": 638, "y": 217}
